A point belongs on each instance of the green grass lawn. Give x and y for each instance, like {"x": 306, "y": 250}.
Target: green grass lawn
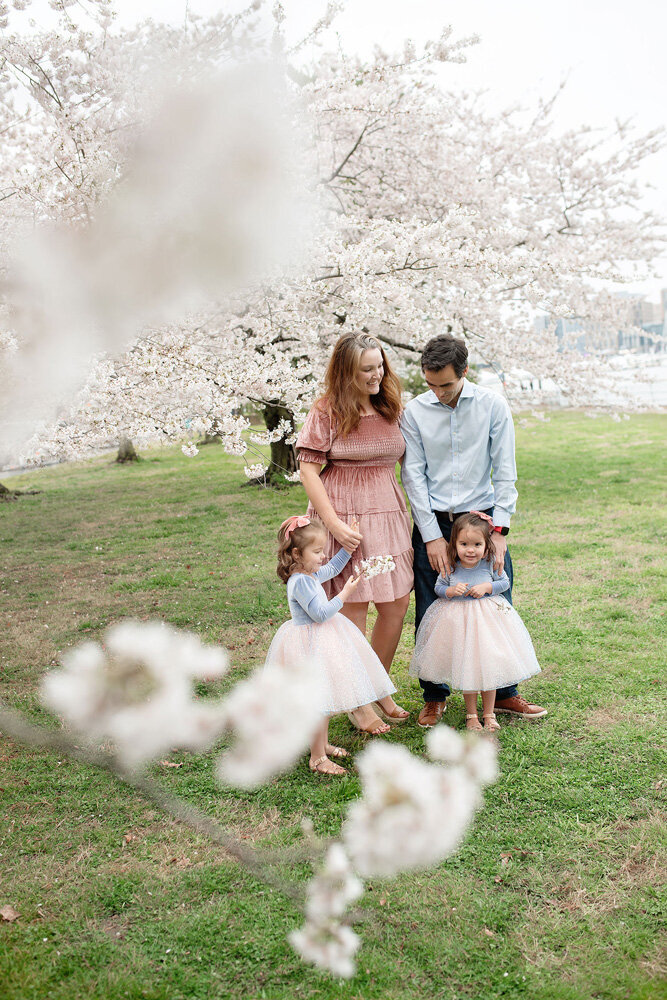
{"x": 556, "y": 892}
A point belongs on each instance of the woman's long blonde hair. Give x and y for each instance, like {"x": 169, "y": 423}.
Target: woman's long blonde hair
{"x": 340, "y": 378}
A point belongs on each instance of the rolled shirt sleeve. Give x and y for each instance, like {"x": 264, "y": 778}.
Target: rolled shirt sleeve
{"x": 503, "y": 463}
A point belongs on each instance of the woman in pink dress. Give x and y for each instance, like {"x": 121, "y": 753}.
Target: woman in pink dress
{"x": 353, "y": 428}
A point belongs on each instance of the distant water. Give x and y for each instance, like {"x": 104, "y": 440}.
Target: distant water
{"x": 642, "y": 377}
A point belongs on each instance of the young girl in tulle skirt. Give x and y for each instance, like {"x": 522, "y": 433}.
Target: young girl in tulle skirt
{"x": 353, "y": 674}
{"x": 471, "y": 637}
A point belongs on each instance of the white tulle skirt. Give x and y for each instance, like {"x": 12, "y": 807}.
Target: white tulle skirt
{"x": 473, "y": 645}
{"x": 352, "y": 672}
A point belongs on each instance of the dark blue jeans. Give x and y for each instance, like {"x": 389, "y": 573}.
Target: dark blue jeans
{"x": 425, "y": 579}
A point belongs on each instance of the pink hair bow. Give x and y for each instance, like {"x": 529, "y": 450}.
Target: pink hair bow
{"x": 485, "y": 517}
{"x": 295, "y": 521}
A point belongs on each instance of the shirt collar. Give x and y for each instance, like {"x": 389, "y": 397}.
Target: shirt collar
{"x": 467, "y": 390}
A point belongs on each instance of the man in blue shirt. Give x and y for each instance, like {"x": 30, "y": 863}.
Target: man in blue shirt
{"x": 457, "y": 435}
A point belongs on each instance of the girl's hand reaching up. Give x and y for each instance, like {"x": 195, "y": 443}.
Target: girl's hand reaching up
{"x": 349, "y": 588}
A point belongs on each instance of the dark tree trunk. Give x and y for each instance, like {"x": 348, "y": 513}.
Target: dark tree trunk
{"x": 126, "y": 452}
{"x": 283, "y": 455}
{"x": 209, "y": 439}
{"x": 6, "y": 494}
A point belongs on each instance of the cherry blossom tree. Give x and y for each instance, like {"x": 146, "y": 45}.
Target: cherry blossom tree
{"x": 433, "y": 216}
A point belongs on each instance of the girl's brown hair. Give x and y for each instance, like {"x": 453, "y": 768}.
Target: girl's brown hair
{"x": 291, "y": 546}
{"x": 469, "y": 521}
{"x": 340, "y": 380}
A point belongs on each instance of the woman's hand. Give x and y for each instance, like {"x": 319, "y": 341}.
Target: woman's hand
{"x": 480, "y": 590}
{"x": 348, "y": 535}
{"x": 349, "y": 588}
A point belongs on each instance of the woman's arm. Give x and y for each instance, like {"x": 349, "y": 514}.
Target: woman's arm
{"x": 314, "y": 487}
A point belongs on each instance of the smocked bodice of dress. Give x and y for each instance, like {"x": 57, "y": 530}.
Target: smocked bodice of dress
{"x": 373, "y": 442}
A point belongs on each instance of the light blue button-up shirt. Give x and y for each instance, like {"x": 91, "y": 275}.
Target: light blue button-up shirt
{"x": 452, "y": 453}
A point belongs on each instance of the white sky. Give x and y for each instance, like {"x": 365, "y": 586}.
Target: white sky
{"x": 613, "y": 54}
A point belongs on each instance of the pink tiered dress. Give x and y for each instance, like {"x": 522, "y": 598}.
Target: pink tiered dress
{"x": 360, "y": 480}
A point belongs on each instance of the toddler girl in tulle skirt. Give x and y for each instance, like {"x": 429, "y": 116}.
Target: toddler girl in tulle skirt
{"x": 471, "y": 637}
{"x": 353, "y": 674}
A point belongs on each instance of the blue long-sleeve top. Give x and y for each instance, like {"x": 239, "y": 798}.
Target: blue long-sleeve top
{"x": 483, "y": 572}
{"x": 307, "y": 601}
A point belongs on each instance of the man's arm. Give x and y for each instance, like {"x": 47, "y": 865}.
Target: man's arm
{"x": 413, "y": 477}
{"x": 503, "y": 464}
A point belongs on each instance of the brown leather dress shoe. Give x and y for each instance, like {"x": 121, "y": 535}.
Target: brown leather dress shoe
{"x": 520, "y": 707}
{"x": 431, "y": 713}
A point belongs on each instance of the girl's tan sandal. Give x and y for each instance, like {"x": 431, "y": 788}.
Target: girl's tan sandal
{"x": 322, "y": 765}
{"x": 491, "y": 723}
{"x": 473, "y": 723}
{"x": 333, "y": 751}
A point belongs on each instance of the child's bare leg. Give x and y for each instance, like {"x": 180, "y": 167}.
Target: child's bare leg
{"x": 472, "y": 719}
{"x": 488, "y": 705}
{"x": 318, "y": 752}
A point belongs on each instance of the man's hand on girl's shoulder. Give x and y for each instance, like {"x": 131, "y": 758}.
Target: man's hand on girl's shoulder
{"x": 499, "y": 543}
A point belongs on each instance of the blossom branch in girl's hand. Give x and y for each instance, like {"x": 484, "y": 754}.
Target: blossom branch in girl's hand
{"x": 375, "y": 565}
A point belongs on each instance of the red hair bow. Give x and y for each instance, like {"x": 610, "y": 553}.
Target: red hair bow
{"x": 295, "y": 521}
{"x": 485, "y": 517}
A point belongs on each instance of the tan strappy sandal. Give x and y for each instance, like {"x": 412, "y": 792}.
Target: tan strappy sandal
{"x": 491, "y": 723}
{"x": 473, "y": 723}
{"x": 333, "y": 751}
{"x": 399, "y": 715}
{"x": 319, "y": 766}
{"x": 375, "y": 729}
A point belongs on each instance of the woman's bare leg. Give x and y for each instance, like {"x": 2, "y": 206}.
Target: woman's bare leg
{"x": 357, "y": 612}
{"x": 366, "y": 716}
{"x": 384, "y": 640}
{"x": 387, "y": 629}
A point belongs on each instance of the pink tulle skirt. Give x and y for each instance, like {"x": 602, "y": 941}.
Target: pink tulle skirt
{"x": 352, "y": 672}
{"x": 473, "y": 645}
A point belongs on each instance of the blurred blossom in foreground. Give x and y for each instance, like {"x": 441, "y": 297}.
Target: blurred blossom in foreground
{"x": 477, "y": 756}
{"x": 211, "y": 199}
{"x": 274, "y": 713}
{"x": 136, "y": 690}
{"x": 328, "y": 945}
{"x": 324, "y": 940}
{"x": 412, "y": 814}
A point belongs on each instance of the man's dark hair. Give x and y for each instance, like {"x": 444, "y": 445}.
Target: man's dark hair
{"x": 445, "y": 350}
